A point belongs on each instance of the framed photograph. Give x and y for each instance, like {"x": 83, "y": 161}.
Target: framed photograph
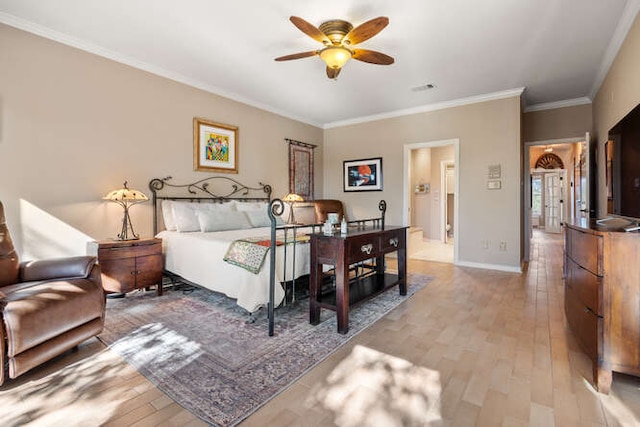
{"x": 215, "y": 147}
{"x": 363, "y": 175}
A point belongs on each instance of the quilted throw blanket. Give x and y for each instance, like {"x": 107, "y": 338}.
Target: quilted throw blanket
{"x": 251, "y": 252}
{"x": 248, "y": 253}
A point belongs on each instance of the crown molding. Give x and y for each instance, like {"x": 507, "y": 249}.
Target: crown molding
{"x": 629, "y": 14}
{"x": 67, "y": 40}
{"x": 510, "y": 93}
{"x": 558, "y": 104}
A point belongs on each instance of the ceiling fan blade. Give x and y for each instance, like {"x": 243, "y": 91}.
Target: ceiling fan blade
{"x": 372, "y": 57}
{"x": 310, "y": 30}
{"x": 332, "y": 73}
{"x": 367, "y": 30}
{"x": 297, "y": 56}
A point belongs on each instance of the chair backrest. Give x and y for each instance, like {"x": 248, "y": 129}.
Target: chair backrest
{"x": 324, "y": 207}
{"x": 9, "y": 263}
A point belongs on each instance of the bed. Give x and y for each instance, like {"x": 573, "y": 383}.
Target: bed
{"x": 199, "y": 224}
{"x": 195, "y": 248}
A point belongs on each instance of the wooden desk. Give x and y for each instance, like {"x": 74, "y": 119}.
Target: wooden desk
{"x": 359, "y": 244}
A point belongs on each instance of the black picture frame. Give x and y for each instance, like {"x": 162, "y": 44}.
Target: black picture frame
{"x": 362, "y": 174}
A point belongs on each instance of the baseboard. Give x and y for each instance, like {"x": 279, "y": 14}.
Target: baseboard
{"x": 498, "y": 267}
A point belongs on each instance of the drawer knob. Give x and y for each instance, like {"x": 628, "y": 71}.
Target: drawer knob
{"x": 367, "y": 248}
{"x": 393, "y": 241}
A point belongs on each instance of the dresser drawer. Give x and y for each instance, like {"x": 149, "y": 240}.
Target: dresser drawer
{"x": 363, "y": 247}
{"x": 129, "y": 251}
{"x": 583, "y": 322}
{"x": 586, "y": 286}
{"x": 586, "y": 250}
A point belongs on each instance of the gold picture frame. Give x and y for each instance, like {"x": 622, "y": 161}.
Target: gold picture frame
{"x": 215, "y": 146}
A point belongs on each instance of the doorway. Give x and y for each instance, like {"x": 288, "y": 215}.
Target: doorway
{"x": 549, "y": 194}
{"x": 430, "y": 202}
{"x": 545, "y": 155}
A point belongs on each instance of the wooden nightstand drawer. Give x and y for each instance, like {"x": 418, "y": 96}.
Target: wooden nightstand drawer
{"x": 129, "y": 251}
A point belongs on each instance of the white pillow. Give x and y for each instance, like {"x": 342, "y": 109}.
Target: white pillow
{"x": 252, "y": 206}
{"x": 184, "y": 215}
{"x": 167, "y": 215}
{"x": 222, "y": 220}
{"x": 259, "y": 218}
{"x": 226, "y": 206}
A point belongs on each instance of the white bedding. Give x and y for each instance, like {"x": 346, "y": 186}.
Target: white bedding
{"x": 197, "y": 257}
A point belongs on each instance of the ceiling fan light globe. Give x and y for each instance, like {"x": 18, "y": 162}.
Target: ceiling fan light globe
{"x": 335, "y": 56}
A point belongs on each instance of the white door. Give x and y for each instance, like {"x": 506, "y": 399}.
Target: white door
{"x": 552, "y": 206}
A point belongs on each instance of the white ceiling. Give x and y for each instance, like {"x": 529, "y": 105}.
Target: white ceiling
{"x": 558, "y": 50}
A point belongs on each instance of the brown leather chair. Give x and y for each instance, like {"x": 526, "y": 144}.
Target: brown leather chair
{"x": 46, "y": 306}
{"x": 324, "y": 207}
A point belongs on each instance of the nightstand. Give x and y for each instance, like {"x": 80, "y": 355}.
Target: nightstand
{"x": 129, "y": 264}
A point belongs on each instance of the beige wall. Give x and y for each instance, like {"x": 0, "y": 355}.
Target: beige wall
{"x": 619, "y": 94}
{"x": 558, "y": 123}
{"x": 489, "y": 134}
{"x": 74, "y": 126}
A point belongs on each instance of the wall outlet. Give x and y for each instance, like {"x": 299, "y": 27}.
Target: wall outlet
{"x": 503, "y": 245}
{"x": 485, "y": 244}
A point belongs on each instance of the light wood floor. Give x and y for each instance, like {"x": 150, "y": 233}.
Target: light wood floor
{"x": 475, "y": 347}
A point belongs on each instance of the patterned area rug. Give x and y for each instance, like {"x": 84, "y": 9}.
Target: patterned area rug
{"x": 199, "y": 349}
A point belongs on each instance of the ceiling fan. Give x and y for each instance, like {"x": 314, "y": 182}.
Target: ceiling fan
{"x": 338, "y": 37}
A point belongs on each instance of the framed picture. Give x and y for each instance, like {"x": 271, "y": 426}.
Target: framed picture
{"x": 215, "y": 147}
{"x": 363, "y": 175}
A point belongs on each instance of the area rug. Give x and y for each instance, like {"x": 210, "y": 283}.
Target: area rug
{"x": 198, "y": 347}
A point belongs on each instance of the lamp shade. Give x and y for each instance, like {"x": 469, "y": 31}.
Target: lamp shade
{"x": 335, "y": 56}
{"x": 292, "y": 197}
{"x": 126, "y": 195}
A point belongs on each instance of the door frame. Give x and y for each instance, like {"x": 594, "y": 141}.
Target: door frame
{"x": 406, "y": 185}
{"x": 526, "y": 208}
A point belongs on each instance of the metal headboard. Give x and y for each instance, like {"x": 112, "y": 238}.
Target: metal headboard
{"x": 214, "y": 189}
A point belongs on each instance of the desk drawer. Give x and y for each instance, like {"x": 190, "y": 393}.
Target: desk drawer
{"x": 392, "y": 240}
{"x": 363, "y": 247}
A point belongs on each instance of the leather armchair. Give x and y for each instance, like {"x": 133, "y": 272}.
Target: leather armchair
{"x": 316, "y": 212}
{"x": 324, "y": 207}
{"x": 46, "y": 306}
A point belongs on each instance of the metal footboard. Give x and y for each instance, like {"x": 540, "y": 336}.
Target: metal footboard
{"x": 275, "y": 210}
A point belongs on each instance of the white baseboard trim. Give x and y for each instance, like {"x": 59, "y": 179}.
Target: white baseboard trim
{"x": 498, "y": 267}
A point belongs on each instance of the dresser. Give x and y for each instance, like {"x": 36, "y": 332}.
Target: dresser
{"x": 359, "y": 244}
{"x": 602, "y": 296}
{"x": 129, "y": 264}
